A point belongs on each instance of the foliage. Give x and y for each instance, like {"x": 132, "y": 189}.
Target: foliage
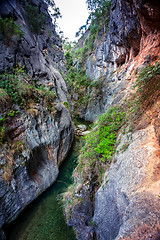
{"x": 78, "y": 82}
{"x": 98, "y": 22}
{"x": 95, "y": 156}
{"x": 66, "y": 104}
{"x": 56, "y": 11}
{"x": 100, "y": 144}
{"x": 3, "y": 96}
{"x": 14, "y": 86}
{"x": 94, "y": 4}
{"x": 56, "y": 14}
{"x": 69, "y": 60}
{"x": 76, "y": 78}
{"x": 100, "y": 13}
{"x": 2, "y": 134}
{"x": 99, "y": 16}
{"x": 35, "y": 18}
{"x": 19, "y": 87}
{"x": 148, "y": 84}
{"x": 8, "y": 28}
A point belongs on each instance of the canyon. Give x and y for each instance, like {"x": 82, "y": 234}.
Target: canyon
{"x": 126, "y": 204}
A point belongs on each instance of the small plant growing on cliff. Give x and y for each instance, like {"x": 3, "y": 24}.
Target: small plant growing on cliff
{"x": 66, "y": 104}
{"x": 15, "y": 86}
{"x": 3, "y": 96}
{"x": 8, "y": 28}
{"x": 20, "y": 89}
{"x": 35, "y": 18}
{"x": 2, "y": 133}
{"x": 148, "y": 84}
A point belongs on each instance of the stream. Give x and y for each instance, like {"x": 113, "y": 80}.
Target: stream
{"x": 43, "y": 219}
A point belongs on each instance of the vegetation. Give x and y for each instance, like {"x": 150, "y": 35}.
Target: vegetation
{"x": 148, "y": 84}
{"x": 98, "y": 18}
{"x": 35, "y": 18}
{"x": 8, "y": 28}
{"x": 100, "y": 144}
{"x": 76, "y": 78}
{"x": 18, "y": 86}
{"x": 76, "y": 57}
{"x": 56, "y": 11}
{"x": 95, "y": 156}
{"x": 66, "y": 104}
{"x": 4, "y": 98}
{"x": 78, "y": 82}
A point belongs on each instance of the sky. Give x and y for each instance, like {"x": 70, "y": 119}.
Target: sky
{"x": 74, "y": 15}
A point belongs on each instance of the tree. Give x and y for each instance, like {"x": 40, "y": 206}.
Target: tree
{"x": 94, "y": 4}
{"x": 81, "y": 30}
{"x": 56, "y": 14}
{"x": 100, "y": 10}
{"x": 56, "y": 11}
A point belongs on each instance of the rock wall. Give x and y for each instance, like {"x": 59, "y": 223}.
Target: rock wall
{"x": 41, "y": 138}
{"x": 127, "y": 207}
{"x": 34, "y": 51}
{"x": 46, "y": 142}
{"x": 127, "y": 204}
{"x": 131, "y": 42}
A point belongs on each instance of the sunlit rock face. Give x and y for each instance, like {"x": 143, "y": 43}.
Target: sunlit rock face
{"x": 42, "y": 137}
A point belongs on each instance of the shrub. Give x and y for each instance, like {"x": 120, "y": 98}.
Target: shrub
{"x": 66, "y": 104}
{"x": 3, "y": 96}
{"x": 100, "y": 144}
{"x": 17, "y": 87}
{"x": 8, "y": 28}
{"x": 35, "y": 18}
{"x": 2, "y": 134}
{"x": 148, "y": 84}
{"x": 69, "y": 60}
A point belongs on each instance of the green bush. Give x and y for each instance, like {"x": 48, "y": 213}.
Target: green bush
{"x": 34, "y": 18}
{"x": 8, "y": 28}
{"x": 69, "y": 60}
{"x": 14, "y": 86}
{"x": 20, "y": 89}
{"x": 100, "y": 144}
{"x": 66, "y": 104}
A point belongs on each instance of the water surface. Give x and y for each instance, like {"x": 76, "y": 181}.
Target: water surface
{"x": 44, "y": 218}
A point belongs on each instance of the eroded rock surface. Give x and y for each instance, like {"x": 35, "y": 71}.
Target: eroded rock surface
{"x": 37, "y": 139}
{"x": 47, "y": 141}
{"x": 129, "y": 202}
{"x": 131, "y": 43}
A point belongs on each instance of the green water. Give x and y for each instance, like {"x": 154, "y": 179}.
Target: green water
{"x": 44, "y": 218}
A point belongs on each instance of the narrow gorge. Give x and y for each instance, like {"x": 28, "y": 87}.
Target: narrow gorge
{"x": 110, "y": 78}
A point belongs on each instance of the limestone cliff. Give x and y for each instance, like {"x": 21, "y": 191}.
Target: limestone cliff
{"x": 127, "y": 203}
{"x": 131, "y": 43}
{"x": 36, "y": 131}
